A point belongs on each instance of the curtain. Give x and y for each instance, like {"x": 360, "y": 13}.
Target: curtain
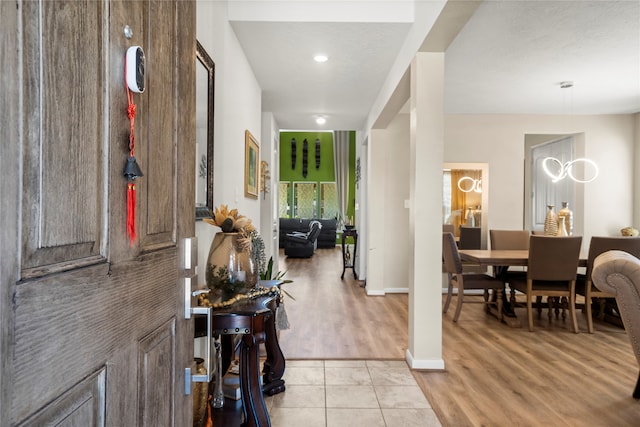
{"x": 341, "y": 167}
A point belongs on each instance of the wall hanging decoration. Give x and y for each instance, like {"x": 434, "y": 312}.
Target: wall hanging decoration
{"x": 265, "y": 176}
{"x": 131, "y": 169}
{"x": 293, "y": 153}
{"x": 317, "y": 153}
{"x": 305, "y": 157}
{"x": 251, "y": 165}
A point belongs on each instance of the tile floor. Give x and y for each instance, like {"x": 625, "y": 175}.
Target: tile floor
{"x": 353, "y": 393}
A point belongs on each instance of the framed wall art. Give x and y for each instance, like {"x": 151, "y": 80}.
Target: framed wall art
{"x": 251, "y": 166}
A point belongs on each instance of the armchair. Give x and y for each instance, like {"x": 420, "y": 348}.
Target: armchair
{"x": 302, "y": 245}
{"x": 618, "y": 273}
{"x": 584, "y": 284}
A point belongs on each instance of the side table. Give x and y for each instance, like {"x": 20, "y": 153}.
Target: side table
{"x": 348, "y": 259}
{"x": 254, "y": 321}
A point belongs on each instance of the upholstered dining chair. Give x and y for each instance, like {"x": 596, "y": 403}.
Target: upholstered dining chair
{"x": 584, "y": 284}
{"x": 448, "y": 228}
{"x": 463, "y": 281}
{"x": 508, "y": 240}
{"x": 551, "y": 271}
{"x": 470, "y": 237}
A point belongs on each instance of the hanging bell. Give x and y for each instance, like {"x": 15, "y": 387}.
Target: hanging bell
{"x": 132, "y": 170}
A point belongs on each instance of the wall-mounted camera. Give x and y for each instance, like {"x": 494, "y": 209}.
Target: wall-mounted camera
{"x": 135, "y": 69}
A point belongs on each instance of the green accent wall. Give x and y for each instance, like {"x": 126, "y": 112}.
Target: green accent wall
{"x": 326, "y": 171}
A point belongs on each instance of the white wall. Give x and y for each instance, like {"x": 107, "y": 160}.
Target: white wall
{"x": 499, "y": 141}
{"x": 390, "y": 151}
{"x": 238, "y": 99}
{"x": 269, "y": 150}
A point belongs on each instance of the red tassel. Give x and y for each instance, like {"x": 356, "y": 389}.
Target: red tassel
{"x": 131, "y": 213}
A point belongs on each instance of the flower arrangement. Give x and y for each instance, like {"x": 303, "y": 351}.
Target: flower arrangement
{"x": 225, "y": 280}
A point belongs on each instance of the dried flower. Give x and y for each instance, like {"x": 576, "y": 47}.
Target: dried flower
{"x": 230, "y": 221}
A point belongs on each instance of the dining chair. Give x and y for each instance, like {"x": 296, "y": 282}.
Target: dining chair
{"x": 463, "y": 281}
{"x": 551, "y": 271}
{"x": 508, "y": 240}
{"x": 448, "y": 228}
{"x": 470, "y": 237}
{"x": 584, "y": 283}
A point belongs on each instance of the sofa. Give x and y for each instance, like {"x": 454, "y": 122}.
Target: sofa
{"x": 328, "y": 232}
{"x": 618, "y": 272}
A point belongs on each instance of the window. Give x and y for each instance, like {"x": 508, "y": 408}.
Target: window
{"x": 308, "y": 200}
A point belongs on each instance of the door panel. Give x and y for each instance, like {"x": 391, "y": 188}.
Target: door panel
{"x": 159, "y": 158}
{"x": 82, "y": 406}
{"x": 93, "y": 325}
{"x": 63, "y": 129}
{"x": 155, "y": 376}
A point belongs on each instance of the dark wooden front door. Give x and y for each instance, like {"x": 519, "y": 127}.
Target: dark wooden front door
{"x": 93, "y": 328}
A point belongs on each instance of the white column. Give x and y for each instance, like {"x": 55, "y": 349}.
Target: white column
{"x": 425, "y": 264}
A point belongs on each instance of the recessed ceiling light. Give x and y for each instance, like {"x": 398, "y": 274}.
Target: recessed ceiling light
{"x": 321, "y": 120}
{"x": 320, "y": 58}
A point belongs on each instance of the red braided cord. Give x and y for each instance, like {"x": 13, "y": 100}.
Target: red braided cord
{"x": 131, "y": 113}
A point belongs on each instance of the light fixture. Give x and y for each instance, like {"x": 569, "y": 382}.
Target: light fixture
{"x": 566, "y": 169}
{"x": 320, "y": 58}
{"x": 472, "y": 185}
{"x": 321, "y": 120}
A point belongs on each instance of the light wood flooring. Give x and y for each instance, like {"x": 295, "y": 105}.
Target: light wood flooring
{"x": 494, "y": 375}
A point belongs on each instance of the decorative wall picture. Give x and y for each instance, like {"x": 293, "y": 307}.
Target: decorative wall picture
{"x": 251, "y": 165}
{"x": 205, "y": 81}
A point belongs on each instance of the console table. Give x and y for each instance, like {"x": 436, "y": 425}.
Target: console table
{"x": 348, "y": 259}
{"x": 254, "y": 320}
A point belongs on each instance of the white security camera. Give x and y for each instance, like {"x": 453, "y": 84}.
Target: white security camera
{"x": 135, "y": 69}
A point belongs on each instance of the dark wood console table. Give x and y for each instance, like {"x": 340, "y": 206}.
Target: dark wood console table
{"x": 254, "y": 320}
{"x": 349, "y": 260}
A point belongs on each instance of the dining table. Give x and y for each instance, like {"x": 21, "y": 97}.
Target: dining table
{"x": 505, "y": 257}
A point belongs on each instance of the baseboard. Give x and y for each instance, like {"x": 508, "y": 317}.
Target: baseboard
{"x": 427, "y": 364}
{"x": 396, "y": 290}
{"x": 467, "y": 292}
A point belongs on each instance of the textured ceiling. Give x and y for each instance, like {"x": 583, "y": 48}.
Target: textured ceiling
{"x": 509, "y": 58}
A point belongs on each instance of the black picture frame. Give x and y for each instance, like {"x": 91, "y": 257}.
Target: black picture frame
{"x": 204, "y": 158}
